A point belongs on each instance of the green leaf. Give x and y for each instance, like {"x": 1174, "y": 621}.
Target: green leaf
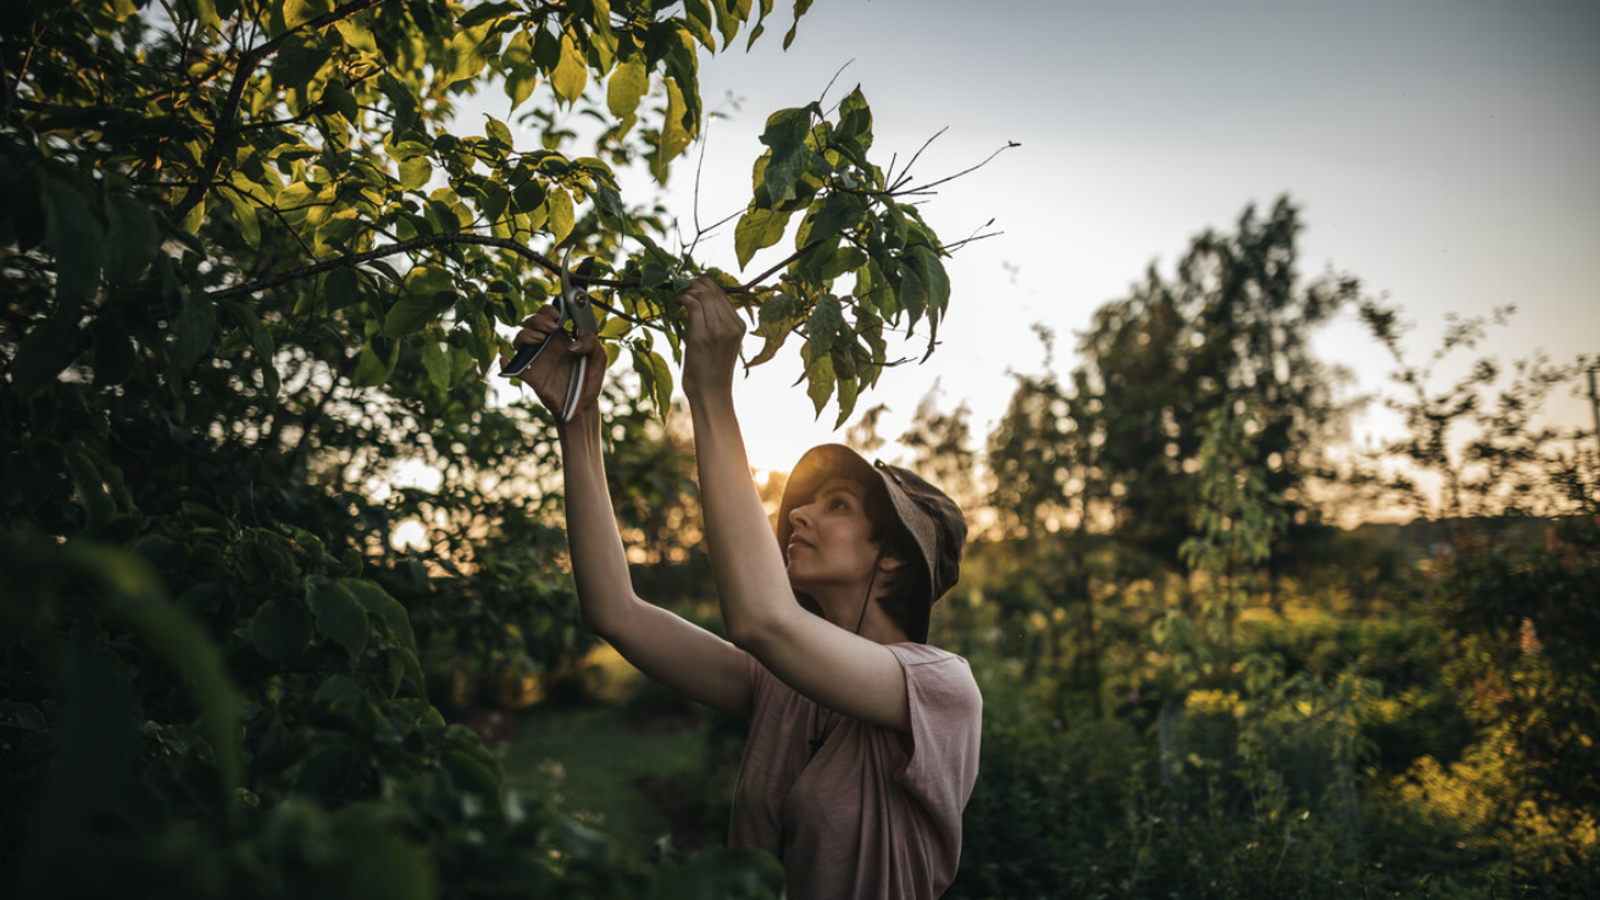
{"x": 341, "y": 289}
{"x": 697, "y": 15}
{"x": 800, "y": 7}
{"x": 730, "y": 15}
{"x": 194, "y": 331}
{"x": 114, "y": 356}
{"x": 662, "y": 395}
{"x": 570, "y": 74}
{"x": 378, "y": 602}
{"x": 823, "y": 325}
{"x": 134, "y": 238}
{"x": 609, "y": 204}
{"x": 520, "y": 82}
{"x": 853, "y": 136}
{"x": 340, "y": 618}
{"x": 488, "y": 13}
{"x": 529, "y": 196}
{"x": 280, "y": 629}
{"x": 627, "y": 86}
{"x": 412, "y": 312}
{"x": 912, "y": 292}
{"x": 757, "y": 230}
{"x": 403, "y": 103}
{"x": 437, "y": 364}
{"x": 136, "y": 595}
{"x": 90, "y": 488}
{"x": 832, "y": 217}
{"x": 337, "y": 97}
{"x": 75, "y": 237}
{"x": 786, "y": 134}
{"x": 378, "y": 358}
{"x": 244, "y": 213}
{"x": 260, "y": 341}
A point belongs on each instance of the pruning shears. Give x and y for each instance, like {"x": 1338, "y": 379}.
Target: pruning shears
{"x": 576, "y": 319}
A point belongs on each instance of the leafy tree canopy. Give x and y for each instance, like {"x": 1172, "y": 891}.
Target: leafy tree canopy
{"x": 251, "y": 264}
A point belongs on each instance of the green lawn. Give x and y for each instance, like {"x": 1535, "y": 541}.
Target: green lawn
{"x": 591, "y": 761}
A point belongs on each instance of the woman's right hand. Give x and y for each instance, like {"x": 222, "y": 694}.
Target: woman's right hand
{"x": 551, "y": 372}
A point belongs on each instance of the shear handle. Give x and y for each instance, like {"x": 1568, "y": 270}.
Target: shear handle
{"x": 524, "y": 357}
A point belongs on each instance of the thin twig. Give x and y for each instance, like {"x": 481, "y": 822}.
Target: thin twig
{"x": 924, "y": 189}
{"x": 905, "y": 174}
{"x": 835, "y": 77}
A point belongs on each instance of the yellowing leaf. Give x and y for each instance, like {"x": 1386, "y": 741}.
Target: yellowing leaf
{"x": 623, "y": 92}
{"x": 497, "y": 129}
{"x": 848, "y": 389}
{"x": 470, "y": 52}
{"x": 560, "y": 222}
{"x": 570, "y": 75}
{"x": 675, "y": 135}
{"x": 757, "y": 230}
{"x": 819, "y": 375}
{"x": 415, "y": 172}
{"x": 299, "y": 12}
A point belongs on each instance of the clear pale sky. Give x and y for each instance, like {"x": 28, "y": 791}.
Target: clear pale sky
{"x": 1443, "y": 152}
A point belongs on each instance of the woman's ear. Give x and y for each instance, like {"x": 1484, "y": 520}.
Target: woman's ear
{"x": 887, "y": 563}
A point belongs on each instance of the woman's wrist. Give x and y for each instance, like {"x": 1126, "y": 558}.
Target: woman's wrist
{"x": 583, "y": 428}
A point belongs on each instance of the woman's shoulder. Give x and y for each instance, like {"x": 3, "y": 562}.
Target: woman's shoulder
{"x": 937, "y": 673}
{"x": 911, "y": 653}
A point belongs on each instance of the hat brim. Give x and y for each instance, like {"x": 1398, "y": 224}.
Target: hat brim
{"x": 821, "y": 463}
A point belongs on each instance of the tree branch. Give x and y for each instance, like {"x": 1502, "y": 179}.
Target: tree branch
{"x": 226, "y": 130}
{"x": 750, "y": 286}
{"x": 422, "y": 243}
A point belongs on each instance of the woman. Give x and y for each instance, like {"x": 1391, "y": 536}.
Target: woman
{"x": 863, "y": 742}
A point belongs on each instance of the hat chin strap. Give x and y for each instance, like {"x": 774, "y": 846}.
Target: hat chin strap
{"x": 818, "y": 721}
{"x": 867, "y": 601}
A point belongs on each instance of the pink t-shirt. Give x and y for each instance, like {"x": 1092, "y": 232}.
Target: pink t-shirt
{"x": 876, "y": 813}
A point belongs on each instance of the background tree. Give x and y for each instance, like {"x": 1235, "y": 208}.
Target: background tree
{"x": 1232, "y": 326}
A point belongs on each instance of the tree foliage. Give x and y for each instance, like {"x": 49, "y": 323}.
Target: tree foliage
{"x": 256, "y": 276}
{"x": 1232, "y": 331}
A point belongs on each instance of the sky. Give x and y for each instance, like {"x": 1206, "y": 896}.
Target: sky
{"x": 1445, "y": 153}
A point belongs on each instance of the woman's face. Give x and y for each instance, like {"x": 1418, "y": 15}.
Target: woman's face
{"x": 831, "y": 543}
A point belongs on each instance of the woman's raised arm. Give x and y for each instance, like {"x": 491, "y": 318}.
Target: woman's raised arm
{"x": 840, "y": 670}
{"x": 664, "y": 646}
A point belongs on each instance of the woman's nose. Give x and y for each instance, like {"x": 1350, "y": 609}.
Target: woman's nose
{"x": 799, "y": 514}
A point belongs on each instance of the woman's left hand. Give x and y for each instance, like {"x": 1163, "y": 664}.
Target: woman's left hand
{"x": 711, "y": 352}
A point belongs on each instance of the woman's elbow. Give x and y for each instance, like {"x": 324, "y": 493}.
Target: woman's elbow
{"x": 753, "y": 634}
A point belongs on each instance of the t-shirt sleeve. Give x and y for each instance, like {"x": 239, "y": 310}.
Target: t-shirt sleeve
{"x": 946, "y": 724}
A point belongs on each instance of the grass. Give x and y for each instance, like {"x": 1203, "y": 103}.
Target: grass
{"x": 590, "y": 761}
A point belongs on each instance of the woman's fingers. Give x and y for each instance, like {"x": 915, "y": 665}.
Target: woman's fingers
{"x": 710, "y": 310}
{"x": 537, "y": 327}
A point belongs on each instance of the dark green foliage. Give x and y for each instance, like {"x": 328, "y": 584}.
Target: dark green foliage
{"x": 252, "y": 284}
